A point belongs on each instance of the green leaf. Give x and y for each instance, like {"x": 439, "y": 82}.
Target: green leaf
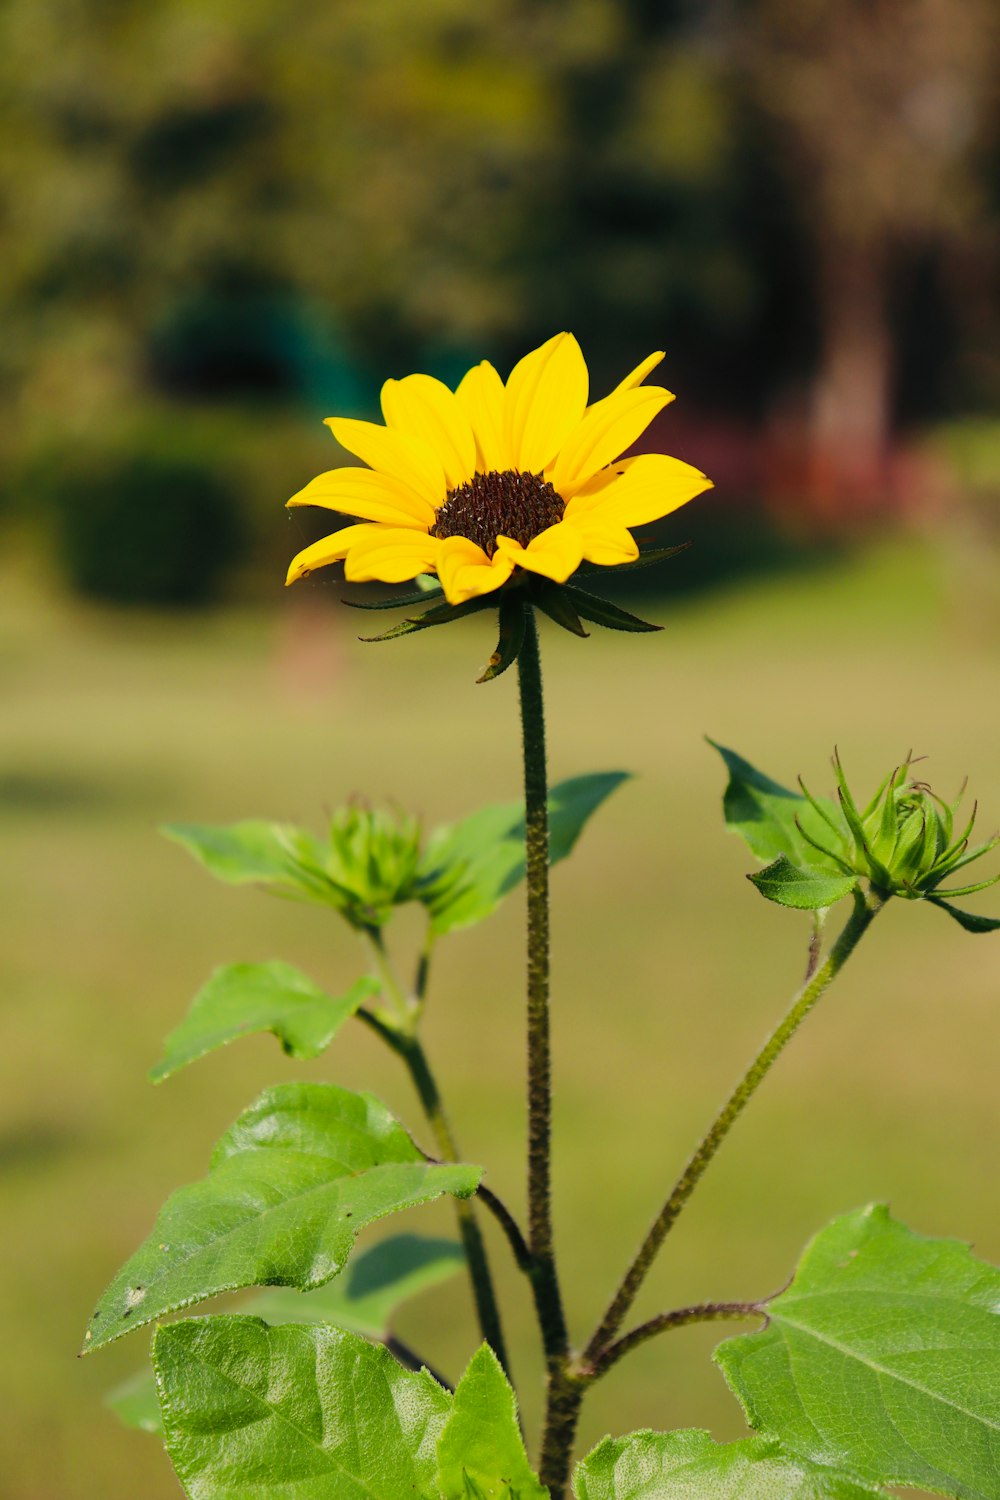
{"x": 373, "y": 1285}
{"x": 647, "y": 557}
{"x": 883, "y": 1355}
{"x": 688, "y": 1465}
{"x": 601, "y": 612}
{"x": 135, "y": 1402}
{"x": 363, "y": 1298}
{"x": 280, "y": 856}
{"x": 481, "y": 1451}
{"x": 766, "y": 815}
{"x": 291, "y": 1185}
{"x": 467, "y": 869}
{"x": 971, "y": 921}
{"x": 313, "y": 1413}
{"x": 244, "y": 998}
{"x": 440, "y": 614}
{"x": 422, "y": 595}
{"x": 806, "y": 890}
{"x": 555, "y": 601}
{"x": 512, "y": 623}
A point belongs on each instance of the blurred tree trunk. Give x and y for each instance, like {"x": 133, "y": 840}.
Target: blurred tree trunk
{"x": 880, "y": 110}
{"x": 850, "y": 411}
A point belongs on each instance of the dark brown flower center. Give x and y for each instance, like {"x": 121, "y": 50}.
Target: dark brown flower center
{"x": 499, "y": 504}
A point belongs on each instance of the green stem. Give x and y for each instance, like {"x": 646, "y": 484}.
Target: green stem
{"x": 409, "y": 1047}
{"x": 562, "y": 1405}
{"x": 679, "y": 1317}
{"x": 866, "y": 908}
{"x": 411, "y": 1051}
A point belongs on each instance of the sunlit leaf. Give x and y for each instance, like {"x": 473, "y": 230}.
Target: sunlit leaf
{"x": 469, "y": 868}
{"x": 883, "y": 1355}
{"x": 243, "y": 998}
{"x": 314, "y": 1413}
{"x": 363, "y": 1298}
{"x": 481, "y": 1451}
{"x": 773, "y": 820}
{"x": 688, "y": 1465}
{"x": 805, "y": 890}
{"x": 291, "y": 1185}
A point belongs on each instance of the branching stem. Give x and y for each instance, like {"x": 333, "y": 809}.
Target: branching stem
{"x": 866, "y": 908}
{"x": 679, "y": 1317}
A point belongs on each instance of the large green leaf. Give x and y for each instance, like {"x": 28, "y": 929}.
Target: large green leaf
{"x": 770, "y": 818}
{"x": 688, "y": 1465}
{"x": 882, "y": 1355}
{"x": 363, "y": 1298}
{"x": 805, "y": 890}
{"x": 481, "y": 1451}
{"x": 294, "y": 1413}
{"x": 469, "y": 868}
{"x": 244, "y": 998}
{"x": 291, "y": 1185}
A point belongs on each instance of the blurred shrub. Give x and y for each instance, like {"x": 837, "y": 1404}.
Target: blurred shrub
{"x": 139, "y": 527}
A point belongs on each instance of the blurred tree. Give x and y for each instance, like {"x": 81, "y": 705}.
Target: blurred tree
{"x": 884, "y": 108}
{"x": 248, "y": 203}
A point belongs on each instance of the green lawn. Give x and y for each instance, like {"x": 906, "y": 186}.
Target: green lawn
{"x": 114, "y": 724}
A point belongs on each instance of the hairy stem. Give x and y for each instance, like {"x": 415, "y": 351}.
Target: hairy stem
{"x": 411, "y": 1050}
{"x": 866, "y": 908}
{"x": 562, "y": 1404}
{"x": 679, "y": 1317}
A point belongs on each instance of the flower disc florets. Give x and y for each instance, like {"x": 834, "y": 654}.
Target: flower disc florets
{"x": 494, "y": 504}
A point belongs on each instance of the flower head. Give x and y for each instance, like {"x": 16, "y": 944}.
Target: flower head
{"x": 492, "y": 481}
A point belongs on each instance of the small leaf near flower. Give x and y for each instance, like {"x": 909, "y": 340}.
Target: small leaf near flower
{"x": 775, "y": 821}
{"x": 805, "y": 890}
{"x": 971, "y": 921}
{"x": 467, "y": 869}
{"x": 240, "y": 999}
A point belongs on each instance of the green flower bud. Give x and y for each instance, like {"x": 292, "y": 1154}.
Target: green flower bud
{"x": 371, "y": 861}
{"x": 903, "y": 841}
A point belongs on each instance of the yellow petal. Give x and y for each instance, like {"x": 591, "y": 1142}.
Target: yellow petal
{"x": 372, "y": 496}
{"x": 642, "y": 490}
{"x": 329, "y": 549}
{"x": 404, "y": 458}
{"x": 639, "y": 374}
{"x": 604, "y": 542}
{"x": 391, "y": 555}
{"x": 466, "y": 571}
{"x": 555, "y": 553}
{"x": 425, "y": 409}
{"x": 545, "y": 398}
{"x": 609, "y": 427}
{"x": 481, "y": 393}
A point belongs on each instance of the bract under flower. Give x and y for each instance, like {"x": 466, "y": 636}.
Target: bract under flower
{"x": 493, "y": 479}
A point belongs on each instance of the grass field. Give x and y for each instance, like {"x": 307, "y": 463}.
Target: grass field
{"x": 668, "y": 966}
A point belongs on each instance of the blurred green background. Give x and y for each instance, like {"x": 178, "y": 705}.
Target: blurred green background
{"x": 223, "y": 222}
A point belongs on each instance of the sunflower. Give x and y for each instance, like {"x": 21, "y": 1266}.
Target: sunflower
{"x": 491, "y": 481}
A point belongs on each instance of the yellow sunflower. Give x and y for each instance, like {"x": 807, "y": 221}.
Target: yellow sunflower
{"x": 478, "y": 483}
